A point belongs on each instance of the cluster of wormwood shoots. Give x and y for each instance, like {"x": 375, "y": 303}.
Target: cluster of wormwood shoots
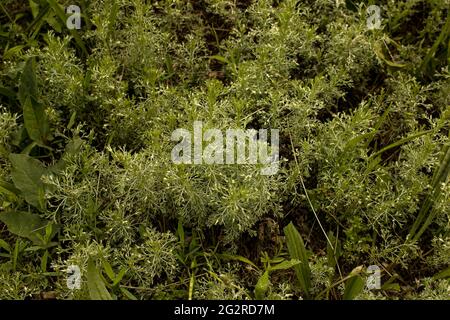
{"x": 309, "y": 68}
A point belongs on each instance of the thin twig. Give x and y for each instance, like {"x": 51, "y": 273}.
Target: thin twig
{"x": 307, "y": 197}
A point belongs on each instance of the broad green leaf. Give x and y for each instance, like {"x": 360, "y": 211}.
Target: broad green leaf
{"x": 26, "y": 174}
{"x": 297, "y": 251}
{"x": 8, "y": 190}
{"x": 26, "y": 225}
{"x": 353, "y": 287}
{"x": 35, "y": 120}
{"x": 262, "y": 286}
{"x": 5, "y": 245}
{"x": 28, "y": 84}
{"x": 108, "y": 269}
{"x": 96, "y": 286}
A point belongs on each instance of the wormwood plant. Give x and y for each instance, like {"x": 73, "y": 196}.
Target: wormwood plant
{"x": 87, "y": 180}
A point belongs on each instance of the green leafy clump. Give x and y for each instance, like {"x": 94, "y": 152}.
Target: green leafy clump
{"x": 87, "y": 180}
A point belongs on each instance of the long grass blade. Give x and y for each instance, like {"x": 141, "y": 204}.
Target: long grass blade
{"x": 440, "y": 176}
{"x": 297, "y": 251}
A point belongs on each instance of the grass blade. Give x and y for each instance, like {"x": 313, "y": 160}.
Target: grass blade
{"x": 399, "y": 143}
{"x": 426, "y": 66}
{"x": 439, "y": 177}
{"x": 96, "y": 286}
